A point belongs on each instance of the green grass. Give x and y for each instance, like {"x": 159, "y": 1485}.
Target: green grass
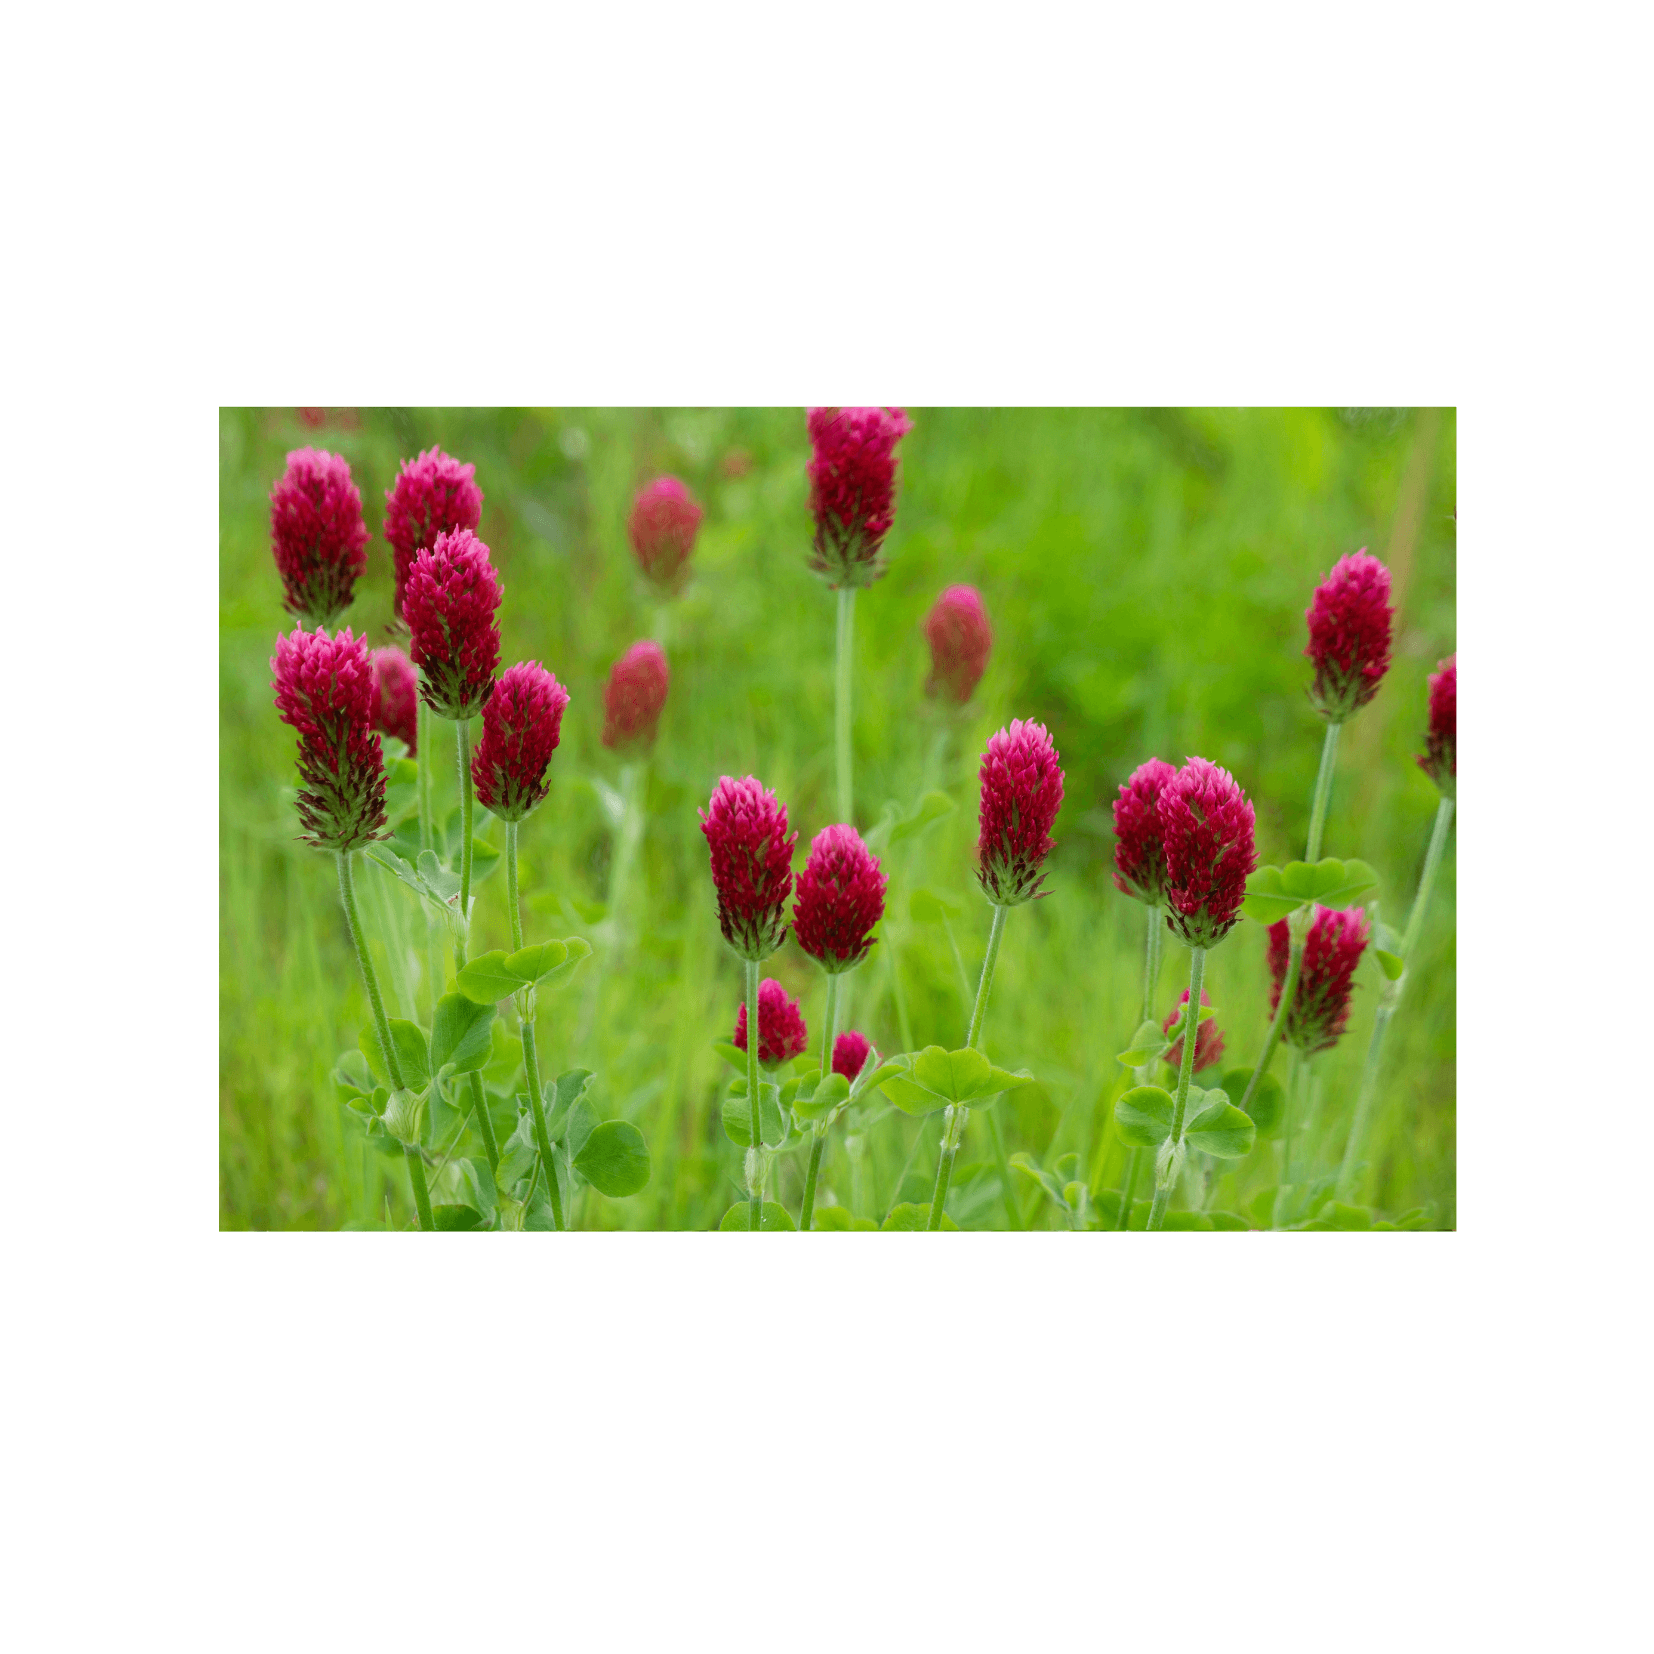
{"x": 1146, "y": 574}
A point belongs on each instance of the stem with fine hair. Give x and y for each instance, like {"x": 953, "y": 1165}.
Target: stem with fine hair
{"x": 807, "y": 1210}
{"x": 1167, "y": 1175}
{"x": 755, "y": 1153}
{"x": 1323, "y": 792}
{"x": 1297, "y": 937}
{"x": 531, "y": 1056}
{"x": 1293, "y": 1083}
{"x": 841, "y": 701}
{"x": 463, "y": 726}
{"x": 1145, "y": 1074}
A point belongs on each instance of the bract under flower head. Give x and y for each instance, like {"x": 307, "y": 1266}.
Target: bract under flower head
{"x": 324, "y": 690}
{"x": 852, "y": 475}
{"x": 840, "y": 900}
{"x": 751, "y": 849}
{"x": 663, "y": 525}
{"x": 1440, "y": 758}
{"x": 433, "y": 494}
{"x": 449, "y": 605}
{"x": 521, "y": 725}
{"x": 850, "y": 1054}
{"x": 1021, "y": 794}
{"x": 781, "y": 1031}
{"x": 1207, "y": 826}
{"x": 1139, "y": 854}
{"x": 960, "y": 639}
{"x": 396, "y": 696}
{"x": 635, "y": 695}
{"x": 1349, "y": 635}
{"x": 1320, "y": 1008}
{"x": 1208, "y": 1039}
{"x": 317, "y": 535}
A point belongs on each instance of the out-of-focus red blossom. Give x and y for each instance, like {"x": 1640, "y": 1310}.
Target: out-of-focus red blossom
{"x": 1320, "y": 1007}
{"x": 663, "y": 525}
{"x": 960, "y": 638}
{"x": 432, "y": 495}
{"x": 850, "y": 1053}
{"x": 736, "y": 463}
{"x": 852, "y": 475}
{"x": 317, "y": 535}
{"x": 1208, "y": 1040}
{"x": 840, "y": 900}
{"x": 521, "y": 725}
{"x": 314, "y": 418}
{"x": 752, "y": 852}
{"x": 1349, "y": 635}
{"x": 449, "y": 605}
{"x": 1440, "y": 758}
{"x": 396, "y": 696}
{"x": 1207, "y": 825}
{"x": 1139, "y": 854}
{"x": 634, "y": 695}
{"x": 324, "y": 690}
{"x": 781, "y": 1031}
{"x": 1021, "y": 794}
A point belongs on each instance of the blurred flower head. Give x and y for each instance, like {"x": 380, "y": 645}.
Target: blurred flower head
{"x": 1349, "y": 635}
{"x": 396, "y": 696}
{"x": 432, "y": 495}
{"x": 1021, "y": 794}
{"x": 634, "y": 696}
{"x": 752, "y": 850}
{"x": 1208, "y": 1040}
{"x": 1207, "y": 825}
{"x": 840, "y": 900}
{"x": 449, "y": 605}
{"x": 850, "y": 1054}
{"x": 957, "y": 627}
{"x": 781, "y": 1031}
{"x": 521, "y": 726}
{"x": 1320, "y": 1007}
{"x": 1139, "y": 854}
{"x": 663, "y": 524}
{"x": 852, "y": 475}
{"x": 1440, "y": 758}
{"x": 317, "y": 535}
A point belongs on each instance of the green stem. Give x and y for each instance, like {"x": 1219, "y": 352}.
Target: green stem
{"x": 1427, "y": 879}
{"x": 1288, "y": 1122}
{"x": 462, "y": 944}
{"x": 531, "y": 1056}
{"x": 755, "y": 1187}
{"x": 1323, "y": 792}
{"x": 1297, "y": 935}
{"x": 841, "y": 702}
{"x": 1134, "y": 1164}
{"x": 1144, "y": 1075}
{"x": 953, "y": 1128}
{"x": 1163, "y": 1183}
{"x": 985, "y": 986}
{"x": 422, "y": 785}
{"x": 807, "y": 1210}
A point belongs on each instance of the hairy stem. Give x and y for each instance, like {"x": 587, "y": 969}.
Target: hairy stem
{"x": 1323, "y": 792}
{"x": 755, "y": 1186}
{"x": 1288, "y": 1125}
{"x": 1297, "y": 937}
{"x": 531, "y": 1055}
{"x": 1163, "y": 1183}
{"x": 841, "y": 701}
{"x": 462, "y": 944}
{"x": 807, "y": 1210}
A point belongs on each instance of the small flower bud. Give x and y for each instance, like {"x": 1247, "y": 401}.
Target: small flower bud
{"x": 850, "y": 1054}
{"x": 634, "y": 696}
{"x": 960, "y": 638}
{"x": 663, "y": 524}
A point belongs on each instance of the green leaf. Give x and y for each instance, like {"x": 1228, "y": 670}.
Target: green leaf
{"x": 456, "y": 1218}
{"x": 1266, "y": 898}
{"x": 914, "y": 1215}
{"x": 1228, "y": 1220}
{"x": 537, "y": 960}
{"x": 1144, "y": 1116}
{"x": 1340, "y": 1216}
{"x": 579, "y": 950}
{"x": 462, "y": 1033}
{"x": 770, "y": 1216}
{"x": 1352, "y": 881}
{"x": 411, "y": 1053}
{"x": 925, "y": 907}
{"x": 351, "y": 1076}
{"x": 1303, "y": 879}
{"x": 614, "y": 1159}
{"x": 1392, "y": 964}
{"x": 439, "y": 881}
{"x": 1030, "y": 1167}
{"x": 910, "y": 1098}
{"x": 1146, "y": 1044}
{"x": 403, "y": 1110}
{"x": 1187, "y": 1220}
{"x": 465, "y": 1183}
{"x": 484, "y": 859}
{"x": 383, "y": 856}
{"x": 1220, "y": 1129}
{"x": 738, "y": 1114}
{"x": 517, "y": 1152}
{"x": 1268, "y": 1101}
{"x": 871, "y": 1078}
{"x": 823, "y": 1099}
{"x": 732, "y": 1054}
{"x": 561, "y": 1095}
{"x": 950, "y": 1073}
{"x": 932, "y": 807}
{"x": 487, "y": 979}
{"x": 832, "y": 1220}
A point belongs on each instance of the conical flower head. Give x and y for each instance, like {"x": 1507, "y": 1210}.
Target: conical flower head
{"x": 1320, "y": 1007}
{"x": 1021, "y": 794}
{"x": 852, "y": 474}
{"x": 396, "y": 696}
{"x": 634, "y": 696}
{"x": 433, "y": 494}
{"x": 781, "y": 1031}
{"x": 324, "y": 690}
{"x": 1349, "y": 635}
{"x": 663, "y": 524}
{"x": 850, "y": 1054}
{"x": 449, "y": 605}
{"x": 317, "y": 535}
{"x": 960, "y": 638}
{"x": 521, "y": 725}
{"x": 1440, "y": 758}
{"x": 1207, "y": 826}
{"x": 840, "y": 900}
{"x": 1208, "y": 1040}
{"x": 752, "y": 852}
{"x": 1139, "y": 854}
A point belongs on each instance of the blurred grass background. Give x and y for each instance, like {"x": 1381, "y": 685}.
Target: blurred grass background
{"x": 1145, "y": 572}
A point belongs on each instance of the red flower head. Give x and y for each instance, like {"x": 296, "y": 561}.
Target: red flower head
{"x": 1139, "y": 854}
{"x": 396, "y": 696}
{"x": 1206, "y": 824}
{"x": 449, "y": 605}
{"x": 521, "y": 726}
{"x": 1320, "y": 1008}
{"x": 852, "y": 489}
{"x": 1021, "y": 794}
{"x": 634, "y": 695}
{"x": 317, "y": 534}
{"x": 433, "y": 495}
{"x": 1208, "y": 1041}
{"x": 840, "y": 900}
{"x": 781, "y": 1031}
{"x": 1349, "y": 635}
{"x": 663, "y": 524}
{"x": 752, "y": 852}
{"x": 850, "y": 1054}
{"x": 1440, "y": 758}
{"x": 324, "y": 690}
{"x": 957, "y": 627}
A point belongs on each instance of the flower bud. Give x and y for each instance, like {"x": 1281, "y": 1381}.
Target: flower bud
{"x": 449, "y": 604}
{"x": 1139, "y": 854}
{"x": 960, "y": 638}
{"x": 1349, "y": 635}
{"x": 317, "y": 535}
{"x": 1021, "y": 794}
{"x": 781, "y": 1031}
{"x": 521, "y": 726}
{"x": 1320, "y": 1008}
{"x": 751, "y": 851}
{"x": 852, "y": 475}
{"x": 850, "y": 1054}
{"x": 1440, "y": 758}
{"x": 1206, "y": 825}
{"x": 840, "y": 899}
{"x": 634, "y": 696}
{"x": 432, "y": 495}
{"x": 663, "y": 525}
{"x": 396, "y": 696}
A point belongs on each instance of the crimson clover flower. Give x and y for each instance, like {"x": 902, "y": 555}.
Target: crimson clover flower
{"x": 1206, "y": 825}
{"x": 840, "y": 899}
{"x": 1349, "y": 635}
{"x": 449, "y": 604}
{"x": 852, "y": 475}
{"x": 781, "y": 1031}
{"x": 634, "y": 695}
{"x": 317, "y": 535}
{"x": 663, "y": 524}
{"x": 1139, "y": 854}
{"x": 1208, "y": 1040}
{"x": 396, "y": 696}
{"x": 960, "y": 638}
{"x": 1320, "y": 1007}
{"x": 751, "y": 850}
{"x": 850, "y": 1052}
{"x": 1021, "y": 794}
{"x": 433, "y": 494}
{"x": 521, "y": 725}
{"x": 1440, "y": 758}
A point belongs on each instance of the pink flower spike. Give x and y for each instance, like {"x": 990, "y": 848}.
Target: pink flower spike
{"x": 1207, "y": 825}
{"x": 396, "y": 696}
{"x": 1440, "y": 758}
{"x": 1021, "y": 794}
{"x": 1139, "y": 854}
{"x": 432, "y": 495}
{"x": 1320, "y": 1008}
{"x": 449, "y": 605}
{"x": 663, "y": 525}
{"x": 521, "y": 726}
{"x": 850, "y": 1053}
{"x": 324, "y": 690}
{"x": 1208, "y": 1040}
{"x": 852, "y": 475}
{"x": 960, "y": 638}
{"x": 634, "y": 696}
{"x": 317, "y": 535}
{"x": 781, "y": 1031}
{"x": 840, "y": 900}
{"x": 1349, "y": 635}
{"x": 752, "y": 851}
